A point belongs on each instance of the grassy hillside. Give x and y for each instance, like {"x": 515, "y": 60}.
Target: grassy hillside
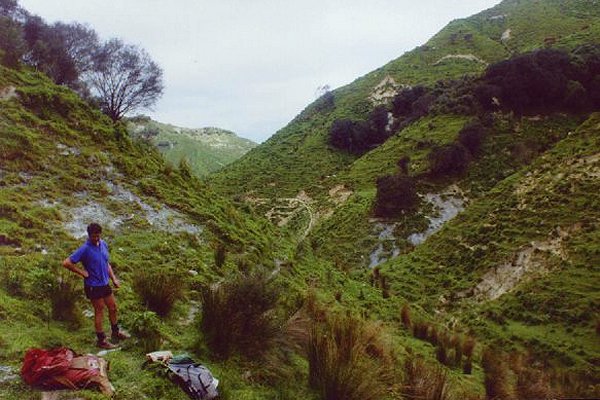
{"x": 485, "y": 287}
{"x": 534, "y": 236}
{"x": 206, "y": 149}
{"x": 506, "y": 249}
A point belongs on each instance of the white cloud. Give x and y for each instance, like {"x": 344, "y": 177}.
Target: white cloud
{"x": 251, "y": 66}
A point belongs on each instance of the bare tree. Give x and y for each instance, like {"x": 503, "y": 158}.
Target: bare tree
{"x": 124, "y": 78}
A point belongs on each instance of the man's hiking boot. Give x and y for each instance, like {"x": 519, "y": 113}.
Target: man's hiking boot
{"x": 105, "y": 344}
{"x": 119, "y": 335}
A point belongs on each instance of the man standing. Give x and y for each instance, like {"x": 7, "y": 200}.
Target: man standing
{"x": 93, "y": 254}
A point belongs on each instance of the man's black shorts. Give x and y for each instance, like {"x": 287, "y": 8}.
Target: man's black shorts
{"x": 97, "y": 292}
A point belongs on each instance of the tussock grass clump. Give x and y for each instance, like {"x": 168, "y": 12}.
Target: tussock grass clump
{"x": 64, "y": 298}
{"x": 237, "y": 316}
{"x": 159, "y": 288}
{"x": 424, "y": 381}
{"x": 405, "y": 317}
{"x": 496, "y": 380}
{"x": 349, "y": 359}
{"x": 61, "y": 288}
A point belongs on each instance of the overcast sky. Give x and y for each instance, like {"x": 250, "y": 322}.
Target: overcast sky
{"x": 250, "y": 66}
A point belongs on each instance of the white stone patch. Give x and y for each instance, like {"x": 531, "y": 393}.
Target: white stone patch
{"x": 82, "y": 216}
{"x": 67, "y": 151}
{"x": 446, "y": 205}
{"x": 505, "y": 36}
{"x": 386, "y": 90}
{"x": 385, "y": 233}
{"x": 8, "y": 93}
{"x": 499, "y": 17}
{"x": 164, "y": 218}
{"x": 527, "y": 264}
{"x": 7, "y": 374}
{"x": 468, "y": 57}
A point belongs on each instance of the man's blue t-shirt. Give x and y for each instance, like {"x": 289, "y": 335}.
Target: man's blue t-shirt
{"x": 94, "y": 260}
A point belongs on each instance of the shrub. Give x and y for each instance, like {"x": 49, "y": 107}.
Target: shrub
{"x": 467, "y": 366}
{"x": 471, "y": 136}
{"x": 533, "y": 384}
{"x": 185, "y": 169}
{"x": 420, "y": 330}
{"x": 357, "y": 137}
{"x": 458, "y": 353}
{"x": 575, "y": 97}
{"x": 378, "y": 120}
{"x": 14, "y": 280}
{"x": 441, "y": 354}
{"x": 395, "y": 194}
{"x": 347, "y": 135}
{"x": 325, "y": 103}
{"x": 532, "y": 82}
{"x": 237, "y": 316}
{"x": 348, "y": 360}
{"x": 403, "y": 103}
{"x": 468, "y": 347}
{"x": 145, "y": 327}
{"x": 159, "y": 288}
{"x": 450, "y": 159}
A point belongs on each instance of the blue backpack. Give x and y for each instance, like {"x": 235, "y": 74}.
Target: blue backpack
{"x": 195, "y": 379}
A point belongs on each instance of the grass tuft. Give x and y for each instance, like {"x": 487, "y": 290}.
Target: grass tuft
{"x": 159, "y": 288}
{"x": 349, "y": 359}
{"x": 237, "y": 316}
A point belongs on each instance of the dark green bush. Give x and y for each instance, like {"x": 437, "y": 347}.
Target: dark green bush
{"x": 450, "y": 159}
{"x": 395, "y": 194}
{"x": 64, "y": 298}
{"x": 403, "y": 105}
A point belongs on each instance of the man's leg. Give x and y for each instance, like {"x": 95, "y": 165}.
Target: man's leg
{"x": 117, "y": 332}
{"x": 98, "y": 305}
{"x": 111, "y": 304}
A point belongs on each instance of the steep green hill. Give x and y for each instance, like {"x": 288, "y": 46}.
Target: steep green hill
{"x": 298, "y": 157}
{"x": 206, "y": 149}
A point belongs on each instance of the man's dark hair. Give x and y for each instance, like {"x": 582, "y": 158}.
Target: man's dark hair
{"x": 94, "y": 228}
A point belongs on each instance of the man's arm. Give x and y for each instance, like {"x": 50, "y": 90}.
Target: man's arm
{"x": 113, "y": 277}
{"x": 68, "y": 264}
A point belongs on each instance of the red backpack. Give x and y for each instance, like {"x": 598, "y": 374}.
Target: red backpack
{"x": 62, "y": 368}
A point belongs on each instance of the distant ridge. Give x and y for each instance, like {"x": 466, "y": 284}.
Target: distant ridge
{"x": 206, "y": 149}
